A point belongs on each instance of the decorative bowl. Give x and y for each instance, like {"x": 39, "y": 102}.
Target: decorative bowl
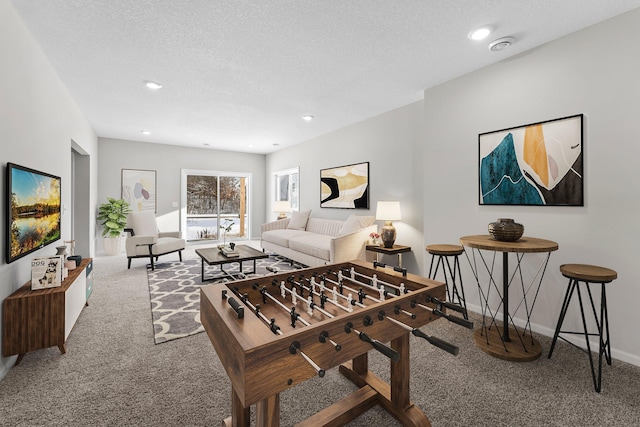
{"x": 506, "y": 230}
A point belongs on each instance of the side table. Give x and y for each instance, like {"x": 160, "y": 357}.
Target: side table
{"x": 506, "y": 341}
{"x": 395, "y": 250}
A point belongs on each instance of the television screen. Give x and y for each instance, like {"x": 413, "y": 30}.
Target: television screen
{"x": 33, "y": 205}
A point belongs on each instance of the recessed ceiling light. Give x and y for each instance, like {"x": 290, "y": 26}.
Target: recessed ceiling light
{"x": 145, "y": 132}
{"x": 206, "y": 144}
{"x": 250, "y": 145}
{"x": 480, "y": 33}
{"x": 152, "y": 85}
{"x": 275, "y": 144}
{"x": 501, "y": 44}
{"x": 307, "y": 117}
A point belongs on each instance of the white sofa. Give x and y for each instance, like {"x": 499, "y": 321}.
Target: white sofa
{"x": 316, "y": 241}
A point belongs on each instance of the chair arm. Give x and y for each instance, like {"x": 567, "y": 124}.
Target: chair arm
{"x": 175, "y": 234}
{"x": 275, "y": 225}
{"x": 350, "y": 246}
{"x": 134, "y": 241}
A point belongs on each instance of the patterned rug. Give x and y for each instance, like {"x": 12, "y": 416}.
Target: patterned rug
{"x": 174, "y": 290}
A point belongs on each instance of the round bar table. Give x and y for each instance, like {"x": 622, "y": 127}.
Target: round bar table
{"x": 510, "y": 343}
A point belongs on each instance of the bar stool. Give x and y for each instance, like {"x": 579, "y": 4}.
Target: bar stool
{"x": 588, "y": 274}
{"x": 441, "y": 254}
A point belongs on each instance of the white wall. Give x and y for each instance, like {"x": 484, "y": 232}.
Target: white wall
{"x": 38, "y": 122}
{"x": 386, "y": 142}
{"x": 593, "y": 72}
{"x": 168, "y": 160}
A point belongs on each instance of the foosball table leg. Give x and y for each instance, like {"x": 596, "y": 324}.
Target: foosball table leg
{"x": 360, "y": 364}
{"x": 400, "y": 373}
{"x": 393, "y": 397}
{"x": 240, "y": 416}
{"x": 268, "y": 412}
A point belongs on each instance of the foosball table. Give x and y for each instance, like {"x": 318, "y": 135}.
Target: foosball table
{"x": 274, "y": 332}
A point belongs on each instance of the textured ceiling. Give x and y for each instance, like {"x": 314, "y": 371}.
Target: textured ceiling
{"x": 237, "y": 73}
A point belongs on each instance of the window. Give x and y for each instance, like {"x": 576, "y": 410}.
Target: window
{"x": 210, "y": 199}
{"x": 287, "y": 187}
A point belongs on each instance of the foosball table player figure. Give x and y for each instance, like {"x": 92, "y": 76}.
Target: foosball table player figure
{"x": 316, "y": 319}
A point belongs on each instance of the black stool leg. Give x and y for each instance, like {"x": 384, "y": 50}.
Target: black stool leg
{"x": 456, "y": 270}
{"x": 440, "y": 262}
{"x": 596, "y": 382}
{"x": 433, "y": 257}
{"x": 603, "y": 327}
{"x": 606, "y": 318}
{"x": 563, "y": 312}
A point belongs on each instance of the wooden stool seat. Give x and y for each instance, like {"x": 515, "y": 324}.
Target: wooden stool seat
{"x": 445, "y": 250}
{"x": 588, "y": 273}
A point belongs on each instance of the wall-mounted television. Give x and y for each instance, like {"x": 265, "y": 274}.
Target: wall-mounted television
{"x": 33, "y": 210}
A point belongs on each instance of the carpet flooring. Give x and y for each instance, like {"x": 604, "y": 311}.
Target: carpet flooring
{"x": 174, "y": 291}
{"x": 113, "y": 374}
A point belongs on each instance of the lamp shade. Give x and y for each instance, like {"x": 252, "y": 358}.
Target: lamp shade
{"x": 388, "y": 211}
{"x": 282, "y": 206}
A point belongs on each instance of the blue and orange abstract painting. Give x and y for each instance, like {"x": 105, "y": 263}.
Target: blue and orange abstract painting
{"x": 536, "y": 164}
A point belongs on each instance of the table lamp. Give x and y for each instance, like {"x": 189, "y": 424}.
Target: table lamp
{"x": 387, "y": 212}
{"x": 282, "y": 206}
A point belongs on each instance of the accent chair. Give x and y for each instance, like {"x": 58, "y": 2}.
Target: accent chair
{"x": 145, "y": 241}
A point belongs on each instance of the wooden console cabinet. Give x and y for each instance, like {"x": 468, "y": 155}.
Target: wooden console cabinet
{"x": 43, "y": 318}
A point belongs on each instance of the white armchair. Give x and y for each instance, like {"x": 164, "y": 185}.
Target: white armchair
{"x": 145, "y": 241}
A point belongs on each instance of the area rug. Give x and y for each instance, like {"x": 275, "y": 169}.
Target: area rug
{"x": 174, "y": 291}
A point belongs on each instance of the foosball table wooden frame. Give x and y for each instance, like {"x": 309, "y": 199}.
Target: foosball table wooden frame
{"x": 259, "y": 348}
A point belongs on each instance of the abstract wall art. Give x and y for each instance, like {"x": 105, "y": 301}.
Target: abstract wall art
{"x": 345, "y": 187}
{"x": 139, "y": 189}
{"x": 536, "y": 164}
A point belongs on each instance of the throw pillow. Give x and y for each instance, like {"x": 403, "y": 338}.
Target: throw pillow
{"x": 355, "y": 223}
{"x": 299, "y": 220}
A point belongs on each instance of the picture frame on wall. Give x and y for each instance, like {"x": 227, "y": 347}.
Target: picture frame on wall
{"x": 139, "y": 189}
{"x": 539, "y": 164}
{"x": 345, "y": 187}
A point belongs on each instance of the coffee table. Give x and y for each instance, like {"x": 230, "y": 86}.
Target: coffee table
{"x": 212, "y": 256}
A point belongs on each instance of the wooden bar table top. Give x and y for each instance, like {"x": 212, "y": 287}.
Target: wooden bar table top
{"x": 488, "y": 339}
{"x": 525, "y": 244}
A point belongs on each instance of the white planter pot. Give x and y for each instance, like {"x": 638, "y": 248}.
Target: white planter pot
{"x": 113, "y": 245}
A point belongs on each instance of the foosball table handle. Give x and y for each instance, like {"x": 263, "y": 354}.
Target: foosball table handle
{"x": 387, "y": 351}
{"x": 449, "y": 348}
{"x": 458, "y": 320}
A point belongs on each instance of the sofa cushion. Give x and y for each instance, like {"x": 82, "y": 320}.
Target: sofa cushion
{"x": 299, "y": 220}
{"x": 355, "y": 223}
{"x": 281, "y": 237}
{"x": 330, "y": 227}
{"x": 317, "y": 245}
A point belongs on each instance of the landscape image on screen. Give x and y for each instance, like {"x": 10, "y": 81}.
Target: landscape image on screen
{"x": 34, "y": 210}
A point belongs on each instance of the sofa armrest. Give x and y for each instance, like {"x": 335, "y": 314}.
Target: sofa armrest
{"x": 350, "y": 246}
{"x": 175, "y": 234}
{"x": 274, "y": 225}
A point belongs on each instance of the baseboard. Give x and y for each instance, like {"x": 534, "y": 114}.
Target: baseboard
{"x": 11, "y": 361}
{"x": 576, "y": 340}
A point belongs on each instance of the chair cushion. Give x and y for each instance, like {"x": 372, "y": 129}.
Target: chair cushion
{"x": 167, "y": 244}
{"x": 143, "y": 223}
{"x": 299, "y": 220}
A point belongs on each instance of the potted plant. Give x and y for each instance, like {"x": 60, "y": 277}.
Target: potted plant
{"x": 226, "y": 227}
{"x": 114, "y": 219}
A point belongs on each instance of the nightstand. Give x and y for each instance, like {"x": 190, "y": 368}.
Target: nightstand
{"x": 395, "y": 250}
